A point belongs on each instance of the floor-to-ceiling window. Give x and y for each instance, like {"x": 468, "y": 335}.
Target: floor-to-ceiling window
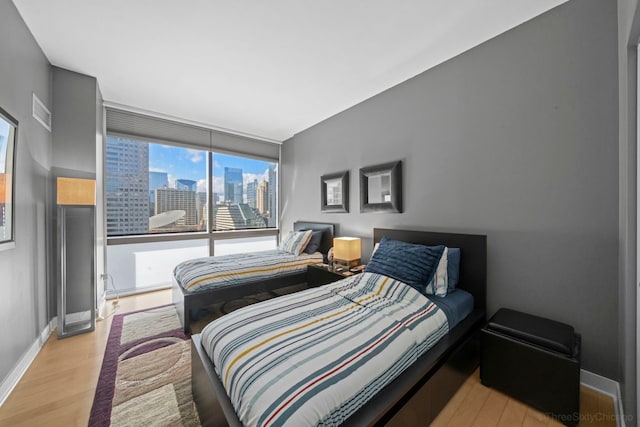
{"x": 154, "y": 188}
{"x": 168, "y": 202}
{"x": 244, "y": 193}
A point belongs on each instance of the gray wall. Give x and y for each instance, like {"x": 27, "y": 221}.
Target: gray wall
{"x": 628, "y": 35}
{"x": 517, "y": 139}
{"x": 74, "y": 123}
{"x": 27, "y": 272}
{"x": 23, "y": 275}
{"x": 77, "y": 128}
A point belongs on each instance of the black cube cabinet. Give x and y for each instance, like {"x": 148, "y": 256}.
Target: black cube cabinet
{"x": 535, "y": 360}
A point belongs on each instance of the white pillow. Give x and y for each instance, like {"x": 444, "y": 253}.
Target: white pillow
{"x": 295, "y": 242}
{"x": 438, "y": 285}
{"x": 375, "y": 248}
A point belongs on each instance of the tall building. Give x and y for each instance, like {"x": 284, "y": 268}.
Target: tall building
{"x": 233, "y": 185}
{"x": 127, "y": 186}
{"x": 156, "y": 180}
{"x": 235, "y": 216}
{"x": 262, "y": 197}
{"x": 201, "y": 207}
{"x": 172, "y": 199}
{"x": 273, "y": 199}
{"x": 186, "y": 184}
{"x": 252, "y": 190}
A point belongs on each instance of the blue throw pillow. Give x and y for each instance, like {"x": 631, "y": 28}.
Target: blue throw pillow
{"x": 412, "y": 264}
{"x": 453, "y": 268}
{"x": 314, "y": 243}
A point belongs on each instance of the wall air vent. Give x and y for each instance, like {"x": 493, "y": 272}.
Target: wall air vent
{"x": 41, "y": 113}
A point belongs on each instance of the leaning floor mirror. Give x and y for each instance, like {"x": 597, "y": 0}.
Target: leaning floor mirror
{"x": 76, "y": 199}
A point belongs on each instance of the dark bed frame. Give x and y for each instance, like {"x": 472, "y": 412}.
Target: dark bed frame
{"x": 187, "y": 302}
{"x": 418, "y": 394}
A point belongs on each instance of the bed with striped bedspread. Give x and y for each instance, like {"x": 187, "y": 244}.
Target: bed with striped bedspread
{"x": 230, "y": 270}
{"x": 316, "y": 356}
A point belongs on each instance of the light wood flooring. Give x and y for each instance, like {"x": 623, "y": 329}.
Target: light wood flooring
{"x": 58, "y": 387}
{"x": 476, "y": 405}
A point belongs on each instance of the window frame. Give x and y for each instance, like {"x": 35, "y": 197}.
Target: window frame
{"x": 209, "y": 232}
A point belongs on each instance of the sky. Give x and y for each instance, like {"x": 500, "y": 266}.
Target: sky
{"x": 4, "y": 135}
{"x": 183, "y": 163}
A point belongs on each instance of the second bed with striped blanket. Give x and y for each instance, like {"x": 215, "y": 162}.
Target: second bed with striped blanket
{"x": 230, "y": 270}
{"x": 314, "y": 357}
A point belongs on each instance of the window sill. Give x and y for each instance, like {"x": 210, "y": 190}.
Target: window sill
{"x": 215, "y": 235}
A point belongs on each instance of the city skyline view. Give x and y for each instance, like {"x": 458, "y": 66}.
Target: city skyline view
{"x": 186, "y": 163}
{"x": 154, "y": 188}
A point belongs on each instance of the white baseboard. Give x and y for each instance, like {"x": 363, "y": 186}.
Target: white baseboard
{"x": 102, "y": 300}
{"x": 16, "y": 373}
{"x": 101, "y": 310}
{"x": 606, "y": 386}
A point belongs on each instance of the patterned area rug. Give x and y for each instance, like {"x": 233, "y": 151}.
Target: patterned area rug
{"x": 146, "y": 373}
{"x": 145, "y": 378}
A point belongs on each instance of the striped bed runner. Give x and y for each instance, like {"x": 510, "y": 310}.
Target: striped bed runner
{"x": 316, "y": 356}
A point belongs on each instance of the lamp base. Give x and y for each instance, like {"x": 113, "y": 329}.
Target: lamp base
{"x": 345, "y": 264}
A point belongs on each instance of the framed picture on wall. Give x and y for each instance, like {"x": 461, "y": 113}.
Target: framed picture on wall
{"x": 381, "y": 188}
{"x": 8, "y": 139}
{"x": 334, "y": 192}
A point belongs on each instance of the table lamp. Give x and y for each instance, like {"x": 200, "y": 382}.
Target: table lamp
{"x": 346, "y": 251}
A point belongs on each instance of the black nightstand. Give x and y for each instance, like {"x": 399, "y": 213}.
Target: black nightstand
{"x": 321, "y": 274}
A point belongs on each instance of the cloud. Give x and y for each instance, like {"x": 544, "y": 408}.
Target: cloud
{"x": 218, "y": 182}
{"x": 218, "y": 185}
{"x": 195, "y": 156}
{"x": 249, "y": 177}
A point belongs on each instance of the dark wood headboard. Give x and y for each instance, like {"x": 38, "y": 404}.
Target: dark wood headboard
{"x": 473, "y": 256}
{"x": 328, "y": 231}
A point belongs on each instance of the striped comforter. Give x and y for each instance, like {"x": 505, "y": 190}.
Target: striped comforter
{"x": 314, "y": 357}
{"x": 229, "y": 270}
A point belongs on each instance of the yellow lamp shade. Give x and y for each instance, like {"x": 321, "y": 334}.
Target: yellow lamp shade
{"x": 75, "y": 191}
{"x": 347, "y": 248}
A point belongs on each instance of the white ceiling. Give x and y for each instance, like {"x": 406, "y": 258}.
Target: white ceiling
{"x": 264, "y": 68}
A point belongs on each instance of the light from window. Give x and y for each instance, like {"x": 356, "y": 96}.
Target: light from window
{"x": 154, "y": 188}
{"x": 244, "y": 193}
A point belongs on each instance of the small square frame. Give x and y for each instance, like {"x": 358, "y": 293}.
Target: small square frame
{"x": 381, "y": 188}
{"x": 334, "y": 192}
